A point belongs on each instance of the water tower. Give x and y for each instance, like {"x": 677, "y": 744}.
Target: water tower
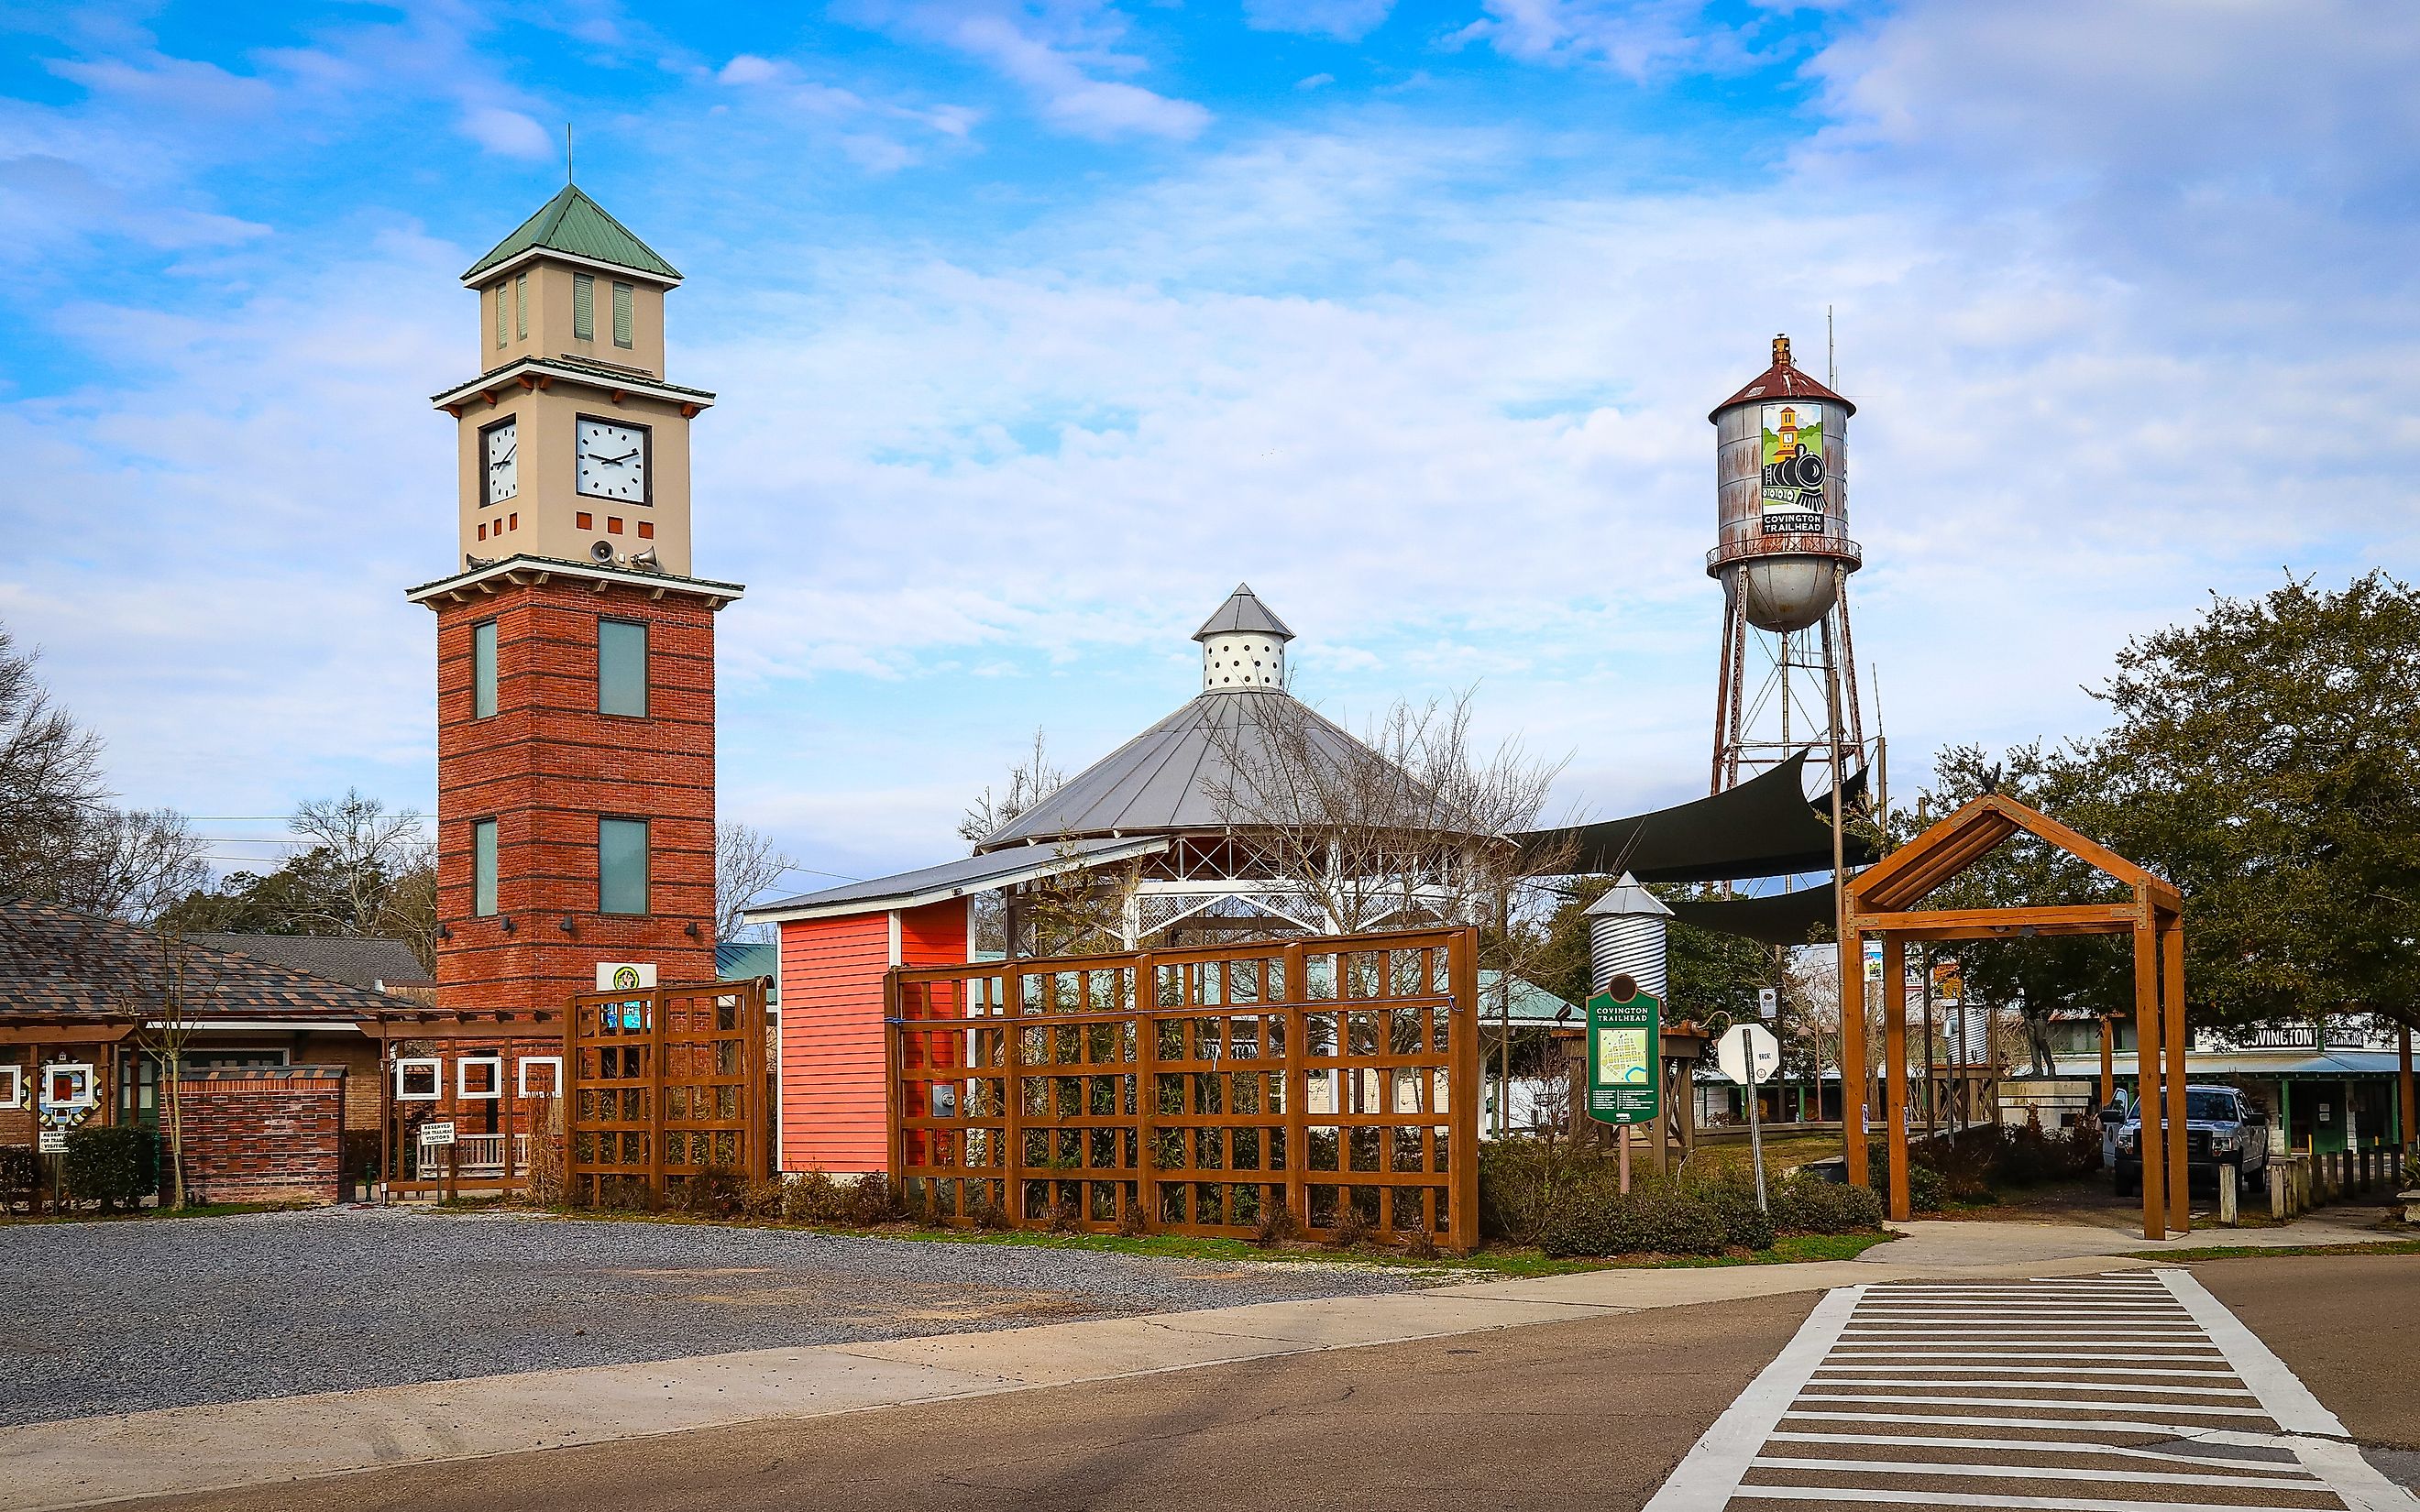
{"x": 1784, "y": 558}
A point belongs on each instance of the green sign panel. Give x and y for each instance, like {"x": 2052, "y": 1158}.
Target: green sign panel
{"x": 1624, "y": 1060}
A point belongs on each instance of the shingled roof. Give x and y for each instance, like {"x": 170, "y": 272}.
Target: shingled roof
{"x": 58, "y": 964}
{"x": 574, "y": 223}
{"x": 376, "y": 964}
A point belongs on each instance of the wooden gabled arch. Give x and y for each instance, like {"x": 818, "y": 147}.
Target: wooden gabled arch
{"x": 1883, "y": 901}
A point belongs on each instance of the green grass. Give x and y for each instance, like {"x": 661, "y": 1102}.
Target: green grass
{"x": 1504, "y": 1261}
{"x": 198, "y": 1210}
{"x": 2250, "y": 1251}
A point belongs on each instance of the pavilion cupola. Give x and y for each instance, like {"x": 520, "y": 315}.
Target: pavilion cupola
{"x": 1243, "y": 645}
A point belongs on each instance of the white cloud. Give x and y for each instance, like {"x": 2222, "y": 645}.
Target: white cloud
{"x": 1347, "y": 20}
{"x": 1071, "y": 97}
{"x": 507, "y": 132}
{"x": 1636, "y": 38}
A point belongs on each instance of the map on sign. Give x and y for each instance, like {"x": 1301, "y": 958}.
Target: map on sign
{"x": 1624, "y": 1081}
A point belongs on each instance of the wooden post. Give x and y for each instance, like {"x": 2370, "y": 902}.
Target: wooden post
{"x": 1147, "y": 1085}
{"x": 2108, "y": 1060}
{"x": 1298, "y": 1087}
{"x": 2228, "y": 1196}
{"x": 1852, "y": 1053}
{"x": 1463, "y": 963}
{"x": 894, "y": 1091}
{"x": 2172, "y": 1021}
{"x": 1012, "y": 997}
{"x": 2405, "y": 1104}
{"x": 1895, "y": 1072}
{"x": 2148, "y": 1040}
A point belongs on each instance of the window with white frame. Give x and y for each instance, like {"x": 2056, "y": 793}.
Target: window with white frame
{"x": 478, "y": 1077}
{"x": 547, "y": 1080}
{"x": 419, "y": 1080}
{"x": 69, "y": 1085}
{"x": 12, "y": 1085}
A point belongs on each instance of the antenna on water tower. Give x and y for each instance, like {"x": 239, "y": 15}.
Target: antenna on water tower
{"x": 1831, "y": 362}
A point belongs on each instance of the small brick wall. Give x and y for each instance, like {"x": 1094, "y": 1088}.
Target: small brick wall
{"x": 264, "y": 1134}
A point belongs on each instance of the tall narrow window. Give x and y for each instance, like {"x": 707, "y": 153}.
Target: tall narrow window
{"x": 520, "y": 305}
{"x": 483, "y": 668}
{"x": 583, "y": 307}
{"x": 498, "y": 300}
{"x": 621, "y": 666}
{"x": 621, "y": 866}
{"x": 483, "y": 867}
{"x": 621, "y": 315}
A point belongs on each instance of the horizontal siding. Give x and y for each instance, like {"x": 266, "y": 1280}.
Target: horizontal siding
{"x": 832, "y": 1094}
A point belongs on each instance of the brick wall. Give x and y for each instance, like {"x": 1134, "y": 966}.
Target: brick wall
{"x": 546, "y": 766}
{"x": 273, "y": 1134}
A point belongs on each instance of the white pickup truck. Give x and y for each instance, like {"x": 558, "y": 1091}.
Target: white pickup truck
{"x": 2220, "y": 1130}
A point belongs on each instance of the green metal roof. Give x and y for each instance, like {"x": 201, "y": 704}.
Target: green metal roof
{"x": 572, "y": 222}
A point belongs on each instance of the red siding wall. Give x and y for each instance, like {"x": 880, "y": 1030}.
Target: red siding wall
{"x": 832, "y": 1096}
{"x": 277, "y": 1137}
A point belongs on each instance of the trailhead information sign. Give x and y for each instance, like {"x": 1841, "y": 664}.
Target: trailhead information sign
{"x": 1625, "y": 1059}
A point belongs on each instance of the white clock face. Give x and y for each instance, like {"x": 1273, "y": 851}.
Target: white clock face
{"x": 503, "y": 469}
{"x": 612, "y": 461}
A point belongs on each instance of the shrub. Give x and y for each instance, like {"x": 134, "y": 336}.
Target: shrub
{"x": 1276, "y": 1226}
{"x": 1658, "y": 1217}
{"x": 1810, "y": 1205}
{"x": 872, "y": 1200}
{"x": 112, "y": 1163}
{"x": 17, "y": 1173}
{"x": 1926, "y": 1188}
{"x": 712, "y": 1193}
{"x": 1130, "y": 1224}
{"x": 762, "y": 1199}
{"x": 813, "y": 1197}
{"x": 1745, "y": 1225}
{"x": 987, "y": 1214}
{"x": 1353, "y": 1226}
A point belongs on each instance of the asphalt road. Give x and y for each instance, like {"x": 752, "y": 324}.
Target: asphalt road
{"x": 1585, "y": 1414}
{"x": 2350, "y": 1326}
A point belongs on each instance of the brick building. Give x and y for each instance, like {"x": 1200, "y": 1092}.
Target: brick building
{"x": 575, "y": 678}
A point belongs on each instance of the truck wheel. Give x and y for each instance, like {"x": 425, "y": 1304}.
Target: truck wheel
{"x": 2130, "y": 1183}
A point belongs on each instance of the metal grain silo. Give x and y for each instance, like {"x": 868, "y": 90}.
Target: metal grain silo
{"x": 1626, "y": 937}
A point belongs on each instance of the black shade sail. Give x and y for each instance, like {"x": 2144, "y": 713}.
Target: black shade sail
{"x": 1807, "y": 917}
{"x": 1764, "y": 828}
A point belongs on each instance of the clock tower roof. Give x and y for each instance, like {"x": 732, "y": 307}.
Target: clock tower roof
{"x": 577, "y": 226}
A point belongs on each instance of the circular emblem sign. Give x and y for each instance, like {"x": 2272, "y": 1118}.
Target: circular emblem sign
{"x": 625, "y": 977}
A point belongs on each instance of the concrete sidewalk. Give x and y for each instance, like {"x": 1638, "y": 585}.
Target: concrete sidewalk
{"x": 88, "y": 1460}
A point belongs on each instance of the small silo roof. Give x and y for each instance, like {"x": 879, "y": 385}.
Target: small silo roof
{"x": 1243, "y": 614}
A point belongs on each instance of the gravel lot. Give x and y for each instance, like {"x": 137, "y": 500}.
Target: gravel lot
{"x": 122, "y": 1316}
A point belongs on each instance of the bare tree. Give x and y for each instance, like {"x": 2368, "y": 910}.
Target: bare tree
{"x": 1031, "y": 779}
{"x": 167, "y": 1008}
{"x": 1403, "y": 827}
{"x": 368, "y": 846}
{"x": 127, "y": 863}
{"x": 746, "y": 863}
{"x": 50, "y": 776}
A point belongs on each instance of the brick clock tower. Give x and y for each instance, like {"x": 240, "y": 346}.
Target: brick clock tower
{"x": 575, "y": 648}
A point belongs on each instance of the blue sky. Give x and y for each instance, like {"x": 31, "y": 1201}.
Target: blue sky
{"x": 1037, "y": 326}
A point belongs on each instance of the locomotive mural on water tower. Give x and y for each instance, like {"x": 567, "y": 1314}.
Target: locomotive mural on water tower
{"x": 1784, "y": 558}
{"x": 575, "y": 644}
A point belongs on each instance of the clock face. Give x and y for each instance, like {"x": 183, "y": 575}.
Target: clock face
{"x": 504, "y": 470}
{"x": 612, "y": 460}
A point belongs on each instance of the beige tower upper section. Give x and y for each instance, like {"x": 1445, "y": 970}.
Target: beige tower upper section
{"x": 573, "y": 446}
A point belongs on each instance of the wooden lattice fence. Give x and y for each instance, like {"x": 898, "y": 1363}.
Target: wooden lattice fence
{"x": 1326, "y": 1076}
{"x": 667, "y": 1084}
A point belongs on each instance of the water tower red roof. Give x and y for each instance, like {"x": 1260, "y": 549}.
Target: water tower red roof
{"x": 1782, "y": 380}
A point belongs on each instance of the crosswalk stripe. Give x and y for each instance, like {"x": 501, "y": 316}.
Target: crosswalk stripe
{"x": 2049, "y": 1504}
{"x": 2105, "y": 1425}
{"x": 2126, "y": 1451}
{"x": 1925, "y": 1363}
{"x": 2148, "y": 1387}
{"x": 2156, "y": 1477}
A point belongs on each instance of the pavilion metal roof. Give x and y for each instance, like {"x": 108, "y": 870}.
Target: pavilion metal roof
{"x": 954, "y": 879}
{"x": 1168, "y": 780}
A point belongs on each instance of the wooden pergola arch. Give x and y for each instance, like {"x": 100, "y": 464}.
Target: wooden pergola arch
{"x": 1883, "y": 902}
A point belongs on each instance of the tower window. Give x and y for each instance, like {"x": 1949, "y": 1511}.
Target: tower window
{"x": 483, "y": 668}
{"x": 647, "y": 530}
{"x": 583, "y": 520}
{"x": 621, "y": 866}
{"x": 621, "y": 315}
{"x": 583, "y": 307}
{"x": 520, "y": 305}
{"x": 622, "y": 669}
{"x": 483, "y": 867}
{"x": 612, "y": 524}
{"x": 496, "y": 297}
